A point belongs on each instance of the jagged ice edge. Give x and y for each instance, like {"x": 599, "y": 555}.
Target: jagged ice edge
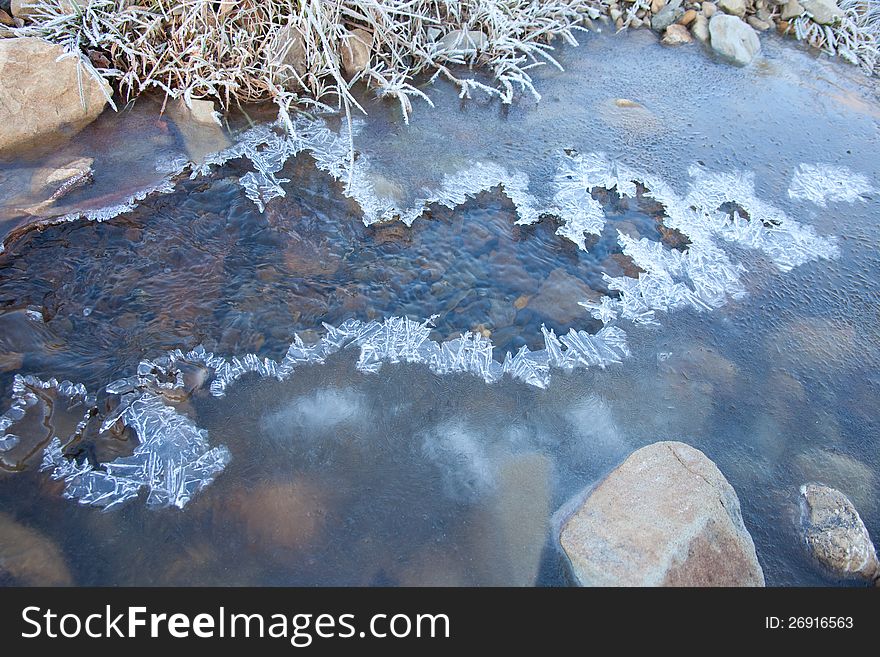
{"x": 23, "y": 398}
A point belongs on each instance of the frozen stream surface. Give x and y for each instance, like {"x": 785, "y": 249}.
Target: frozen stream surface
{"x": 255, "y": 377}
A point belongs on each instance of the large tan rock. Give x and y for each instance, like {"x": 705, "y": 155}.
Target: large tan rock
{"x": 39, "y": 96}
{"x": 665, "y": 517}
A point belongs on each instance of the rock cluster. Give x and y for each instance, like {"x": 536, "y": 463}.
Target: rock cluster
{"x": 729, "y": 27}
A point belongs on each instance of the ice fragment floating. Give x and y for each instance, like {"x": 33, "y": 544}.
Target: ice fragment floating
{"x": 173, "y": 461}
{"x": 820, "y": 183}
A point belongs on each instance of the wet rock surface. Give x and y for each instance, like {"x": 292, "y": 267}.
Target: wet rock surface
{"x": 835, "y": 533}
{"x": 733, "y": 39}
{"x": 665, "y": 517}
{"x": 40, "y": 96}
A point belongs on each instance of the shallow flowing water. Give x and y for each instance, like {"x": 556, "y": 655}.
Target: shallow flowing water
{"x": 338, "y": 475}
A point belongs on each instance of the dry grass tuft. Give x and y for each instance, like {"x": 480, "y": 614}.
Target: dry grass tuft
{"x": 291, "y": 51}
{"x": 855, "y": 38}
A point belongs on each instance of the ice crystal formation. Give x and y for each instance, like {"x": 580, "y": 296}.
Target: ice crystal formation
{"x": 174, "y": 460}
{"x": 24, "y": 389}
{"x": 703, "y": 277}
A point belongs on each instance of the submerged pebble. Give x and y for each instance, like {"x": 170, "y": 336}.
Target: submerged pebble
{"x": 29, "y": 557}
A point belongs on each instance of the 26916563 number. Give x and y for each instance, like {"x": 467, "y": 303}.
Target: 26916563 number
{"x": 808, "y": 623}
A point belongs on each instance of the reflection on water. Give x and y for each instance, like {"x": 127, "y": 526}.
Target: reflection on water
{"x": 406, "y": 477}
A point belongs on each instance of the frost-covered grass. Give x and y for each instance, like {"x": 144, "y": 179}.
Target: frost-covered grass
{"x": 856, "y": 37}
{"x": 233, "y": 51}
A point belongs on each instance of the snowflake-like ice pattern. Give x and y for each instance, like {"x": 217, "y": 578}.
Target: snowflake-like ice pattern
{"x": 174, "y": 460}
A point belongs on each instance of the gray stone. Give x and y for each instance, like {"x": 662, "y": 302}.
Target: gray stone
{"x": 733, "y": 39}
{"x": 835, "y": 533}
{"x": 667, "y": 16}
{"x": 709, "y": 9}
{"x": 792, "y": 9}
{"x": 665, "y": 517}
{"x": 733, "y": 7}
{"x": 40, "y": 96}
{"x": 824, "y": 12}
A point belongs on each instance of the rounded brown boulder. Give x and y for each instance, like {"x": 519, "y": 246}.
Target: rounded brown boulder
{"x": 665, "y": 517}
{"x": 40, "y": 98}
